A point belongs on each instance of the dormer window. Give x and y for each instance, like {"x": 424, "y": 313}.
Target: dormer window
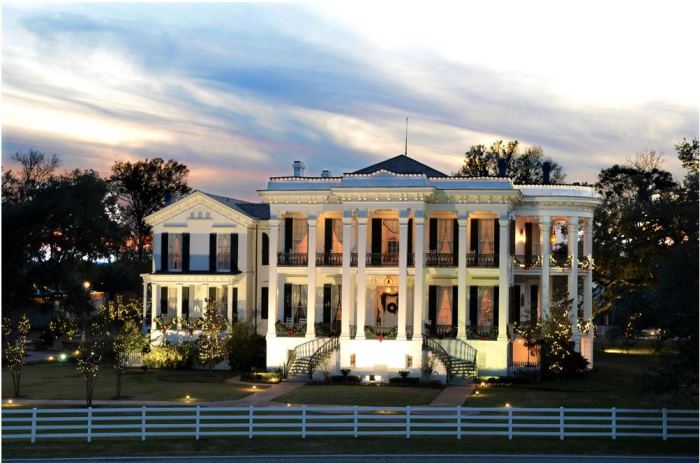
{"x": 175, "y": 252}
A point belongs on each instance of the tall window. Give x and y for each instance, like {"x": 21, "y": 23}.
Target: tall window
{"x": 485, "y": 306}
{"x": 300, "y": 236}
{"x": 445, "y": 229}
{"x": 486, "y": 244}
{"x": 390, "y": 236}
{"x": 223, "y": 252}
{"x": 337, "y": 236}
{"x": 174, "y": 251}
{"x": 444, "y": 308}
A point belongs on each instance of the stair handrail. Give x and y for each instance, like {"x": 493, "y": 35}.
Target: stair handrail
{"x": 437, "y": 349}
{"x": 303, "y": 350}
{"x": 328, "y": 346}
{"x": 466, "y": 351}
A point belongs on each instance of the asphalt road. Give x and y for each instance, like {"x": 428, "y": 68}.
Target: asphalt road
{"x": 373, "y": 458}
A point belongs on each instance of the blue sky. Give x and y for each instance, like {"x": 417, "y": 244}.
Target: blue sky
{"x": 238, "y": 91}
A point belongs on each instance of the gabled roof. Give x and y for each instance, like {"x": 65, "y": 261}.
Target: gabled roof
{"x": 402, "y": 164}
{"x": 260, "y": 211}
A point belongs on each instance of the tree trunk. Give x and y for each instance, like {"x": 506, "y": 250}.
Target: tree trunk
{"x": 119, "y": 385}
{"x": 16, "y": 377}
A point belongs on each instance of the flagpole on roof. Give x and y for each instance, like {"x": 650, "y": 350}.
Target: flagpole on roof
{"x": 405, "y": 148}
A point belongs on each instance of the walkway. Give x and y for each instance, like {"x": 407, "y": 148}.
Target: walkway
{"x": 453, "y": 395}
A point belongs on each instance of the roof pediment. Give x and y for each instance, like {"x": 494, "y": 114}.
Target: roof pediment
{"x": 190, "y": 202}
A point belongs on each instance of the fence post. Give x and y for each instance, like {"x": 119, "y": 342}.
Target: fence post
{"x": 303, "y": 421}
{"x": 561, "y": 423}
{"x": 196, "y": 423}
{"x": 143, "y": 423}
{"x": 354, "y": 419}
{"x": 510, "y": 424}
{"x": 89, "y": 424}
{"x": 459, "y": 422}
{"x": 613, "y": 426}
{"x": 33, "y": 425}
{"x": 250, "y": 421}
{"x": 664, "y": 423}
{"x": 408, "y": 421}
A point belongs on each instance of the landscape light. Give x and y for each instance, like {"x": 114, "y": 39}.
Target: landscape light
{"x": 187, "y": 397}
{"x": 62, "y": 356}
{"x": 86, "y": 284}
{"x": 476, "y": 393}
{"x": 289, "y": 405}
{"x": 77, "y": 352}
{"x": 50, "y": 358}
{"x": 507, "y": 405}
{"x": 255, "y": 387}
{"x": 9, "y": 401}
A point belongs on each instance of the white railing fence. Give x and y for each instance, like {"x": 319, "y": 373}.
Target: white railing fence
{"x": 304, "y": 421}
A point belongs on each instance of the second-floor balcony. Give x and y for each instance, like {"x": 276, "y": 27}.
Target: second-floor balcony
{"x": 293, "y": 259}
{"x": 329, "y": 259}
{"x": 482, "y": 260}
{"x": 382, "y": 259}
{"x": 526, "y": 262}
{"x": 440, "y": 259}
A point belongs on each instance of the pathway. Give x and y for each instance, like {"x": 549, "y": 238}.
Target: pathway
{"x": 453, "y": 395}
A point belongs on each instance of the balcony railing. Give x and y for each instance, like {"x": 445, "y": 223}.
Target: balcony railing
{"x": 585, "y": 263}
{"x": 329, "y": 259}
{"x": 383, "y": 332}
{"x": 440, "y": 259}
{"x": 441, "y": 331}
{"x": 290, "y": 329}
{"x": 482, "y": 260}
{"x": 482, "y": 332}
{"x": 331, "y": 330}
{"x": 297, "y": 259}
{"x": 527, "y": 261}
{"x": 382, "y": 260}
{"x": 560, "y": 261}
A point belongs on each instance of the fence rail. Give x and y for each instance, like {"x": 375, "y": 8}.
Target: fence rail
{"x": 196, "y": 421}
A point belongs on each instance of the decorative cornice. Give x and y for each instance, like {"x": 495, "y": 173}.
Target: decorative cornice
{"x": 191, "y": 278}
{"x": 197, "y": 199}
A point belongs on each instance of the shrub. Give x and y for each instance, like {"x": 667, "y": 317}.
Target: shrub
{"x": 246, "y": 349}
{"x": 169, "y": 356}
{"x": 262, "y": 377}
{"x": 345, "y": 372}
{"x": 404, "y": 380}
{"x": 349, "y": 379}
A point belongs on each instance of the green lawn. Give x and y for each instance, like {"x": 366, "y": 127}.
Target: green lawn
{"x": 60, "y": 381}
{"x": 612, "y": 383}
{"x": 389, "y": 396}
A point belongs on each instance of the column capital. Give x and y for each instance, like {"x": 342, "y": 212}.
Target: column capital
{"x": 544, "y": 219}
{"x": 312, "y": 221}
{"x": 274, "y": 221}
{"x": 403, "y": 221}
{"x": 418, "y": 214}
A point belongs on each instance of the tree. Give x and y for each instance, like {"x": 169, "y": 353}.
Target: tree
{"x": 142, "y": 186}
{"x": 558, "y": 356}
{"x": 14, "y": 348}
{"x": 246, "y": 348}
{"x": 90, "y": 357}
{"x": 128, "y": 340}
{"x": 35, "y": 170}
{"x": 525, "y": 168}
{"x": 211, "y": 344}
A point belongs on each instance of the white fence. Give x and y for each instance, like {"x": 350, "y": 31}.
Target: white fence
{"x": 305, "y": 421}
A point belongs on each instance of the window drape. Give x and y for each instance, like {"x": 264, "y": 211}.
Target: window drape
{"x": 485, "y": 309}
{"x": 444, "y": 310}
{"x": 298, "y": 302}
{"x": 175, "y": 251}
{"x": 486, "y": 245}
{"x": 337, "y": 236}
{"x": 444, "y": 236}
{"x": 390, "y": 236}
{"x": 300, "y": 232}
{"x": 223, "y": 252}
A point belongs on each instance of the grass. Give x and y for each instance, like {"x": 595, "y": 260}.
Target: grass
{"x": 389, "y": 396}
{"x": 61, "y": 381}
{"x": 612, "y": 383}
{"x": 340, "y": 445}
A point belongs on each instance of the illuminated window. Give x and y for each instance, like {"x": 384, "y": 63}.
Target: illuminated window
{"x": 353, "y": 360}
{"x": 174, "y": 251}
{"x": 223, "y": 252}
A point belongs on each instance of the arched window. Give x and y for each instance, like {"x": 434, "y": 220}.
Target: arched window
{"x": 265, "y": 249}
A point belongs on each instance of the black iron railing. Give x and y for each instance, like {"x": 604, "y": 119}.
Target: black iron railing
{"x": 328, "y": 329}
{"x": 329, "y": 259}
{"x": 440, "y": 259}
{"x": 482, "y": 332}
{"x": 523, "y": 261}
{"x": 382, "y": 260}
{"x": 482, "y": 260}
{"x": 441, "y": 331}
{"x": 298, "y": 259}
{"x": 560, "y": 261}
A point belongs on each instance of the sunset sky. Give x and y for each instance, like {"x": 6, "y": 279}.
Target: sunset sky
{"x": 239, "y": 91}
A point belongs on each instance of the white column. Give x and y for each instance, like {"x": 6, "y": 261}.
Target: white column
{"x": 544, "y": 287}
{"x": 145, "y": 303}
{"x": 272, "y": 278}
{"x": 572, "y": 245}
{"x": 231, "y": 309}
{"x": 155, "y": 298}
{"x": 587, "y": 343}
{"x": 361, "y": 276}
{"x": 419, "y": 284}
{"x": 311, "y": 283}
{"x": 178, "y": 306}
{"x": 346, "y": 279}
{"x": 503, "y": 280}
{"x": 462, "y": 276}
{"x": 403, "y": 277}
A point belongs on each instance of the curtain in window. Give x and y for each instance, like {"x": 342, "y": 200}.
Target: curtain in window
{"x": 223, "y": 252}
{"x": 337, "y": 236}
{"x": 172, "y": 300}
{"x": 335, "y": 303}
{"x": 444, "y": 236}
{"x": 175, "y": 251}
{"x": 298, "y": 302}
{"x": 390, "y": 236}
{"x": 444, "y": 310}
{"x": 485, "y": 306}
{"x": 486, "y": 245}
{"x": 300, "y": 233}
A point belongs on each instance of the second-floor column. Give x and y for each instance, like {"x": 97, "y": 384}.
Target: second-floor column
{"x": 572, "y": 246}
{"x": 178, "y": 307}
{"x": 419, "y": 283}
{"x": 545, "y": 222}
{"x": 232, "y": 306}
{"x": 503, "y": 279}
{"x": 346, "y": 276}
{"x": 144, "y": 308}
{"x": 272, "y": 279}
{"x": 462, "y": 220}
{"x": 403, "y": 277}
{"x": 361, "y": 277}
{"x": 311, "y": 283}
{"x": 155, "y": 299}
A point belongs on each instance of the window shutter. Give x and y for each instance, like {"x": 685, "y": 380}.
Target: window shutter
{"x": 515, "y": 304}
{"x": 496, "y": 237}
{"x": 288, "y": 233}
{"x": 164, "y": 252}
{"x": 432, "y": 305}
{"x": 455, "y": 241}
{"x": 265, "y": 249}
{"x": 234, "y": 305}
{"x": 376, "y": 236}
{"x": 474, "y": 242}
{"x": 328, "y": 236}
{"x": 264, "y": 300}
{"x": 164, "y": 300}
{"x": 185, "y": 252}
{"x": 495, "y": 306}
{"x": 234, "y": 253}
{"x": 212, "y": 252}
{"x": 534, "y": 289}
{"x": 455, "y": 299}
{"x": 528, "y": 239}
{"x": 409, "y": 235}
{"x": 185, "y": 301}
{"x": 473, "y": 304}
{"x": 432, "y": 234}
{"x": 212, "y": 294}
{"x": 327, "y": 292}
{"x": 287, "y": 301}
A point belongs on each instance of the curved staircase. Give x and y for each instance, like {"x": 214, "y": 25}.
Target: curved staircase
{"x": 306, "y": 357}
{"x": 458, "y": 357}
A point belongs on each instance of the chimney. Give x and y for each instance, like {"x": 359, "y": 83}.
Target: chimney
{"x": 546, "y": 169}
{"x": 501, "y": 167}
{"x": 325, "y": 173}
{"x": 298, "y": 167}
{"x": 169, "y": 198}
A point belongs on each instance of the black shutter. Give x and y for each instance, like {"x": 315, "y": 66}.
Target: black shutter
{"x": 474, "y": 242}
{"x": 234, "y": 305}
{"x": 265, "y": 249}
{"x": 327, "y": 293}
{"x": 376, "y": 236}
{"x": 212, "y": 294}
{"x": 432, "y": 234}
{"x": 533, "y": 303}
{"x": 287, "y": 301}
{"x": 164, "y": 252}
{"x": 512, "y": 237}
{"x": 455, "y": 300}
{"x": 234, "y": 252}
{"x": 528, "y": 239}
{"x": 212, "y": 252}
{"x": 409, "y": 237}
{"x": 473, "y": 301}
{"x": 455, "y": 241}
{"x": 264, "y": 301}
{"x": 328, "y": 236}
{"x": 515, "y": 305}
{"x": 185, "y": 252}
{"x": 185, "y": 301}
{"x": 163, "y": 300}
{"x": 288, "y": 233}
{"x": 432, "y": 306}
{"x": 496, "y": 237}
{"x": 495, "y": 306}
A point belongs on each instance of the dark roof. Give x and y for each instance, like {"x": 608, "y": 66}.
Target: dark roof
{"x": 260, "y": 211}
{"x": 402, "y": 164}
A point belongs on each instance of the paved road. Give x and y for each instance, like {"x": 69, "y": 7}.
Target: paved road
{"x": 373, "y": 458}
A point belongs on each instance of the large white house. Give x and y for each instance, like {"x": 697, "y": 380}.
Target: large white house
{"x": 379, "y": 266}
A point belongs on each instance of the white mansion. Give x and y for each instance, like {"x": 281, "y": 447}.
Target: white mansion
{"x": 379, "y": 266}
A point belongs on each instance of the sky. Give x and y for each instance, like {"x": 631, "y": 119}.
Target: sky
{"x": 239, "y": 91}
